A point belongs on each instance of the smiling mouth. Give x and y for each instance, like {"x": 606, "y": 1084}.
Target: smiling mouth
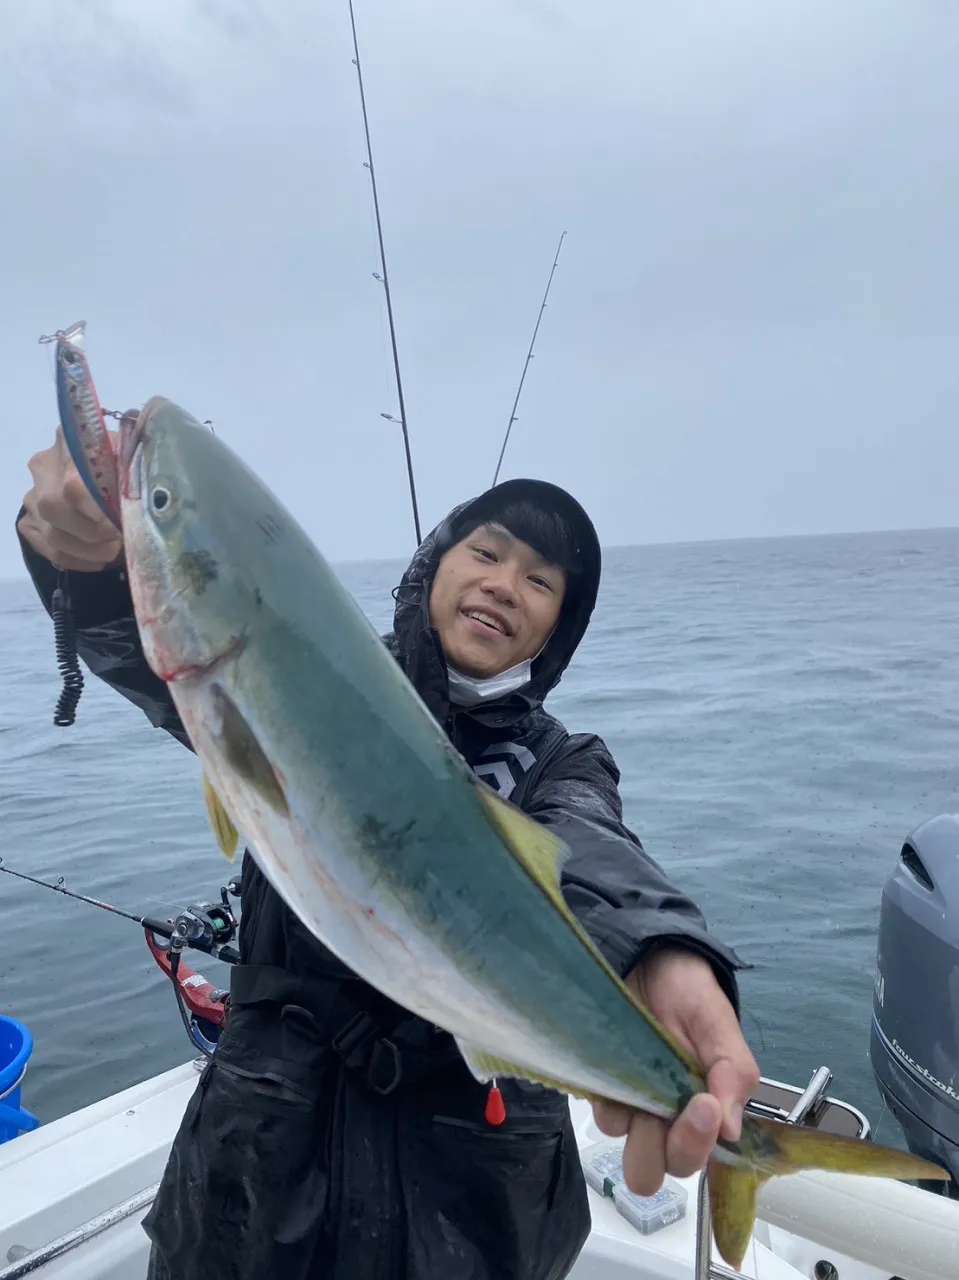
{"x": 496, "y": 626}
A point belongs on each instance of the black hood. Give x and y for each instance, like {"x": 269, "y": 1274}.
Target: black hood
{"x": 417, "y": 643}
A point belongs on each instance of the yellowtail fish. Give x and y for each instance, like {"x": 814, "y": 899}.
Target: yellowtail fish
{"x": 373, "y": 828}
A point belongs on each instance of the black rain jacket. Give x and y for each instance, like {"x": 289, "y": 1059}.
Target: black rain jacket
{"x": 334, "y": 1136}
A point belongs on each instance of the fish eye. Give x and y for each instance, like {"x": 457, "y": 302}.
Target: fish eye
{"x": 160, "y": 499}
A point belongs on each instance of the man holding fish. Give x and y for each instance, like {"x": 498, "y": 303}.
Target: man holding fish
{"x": 416, "y": 953}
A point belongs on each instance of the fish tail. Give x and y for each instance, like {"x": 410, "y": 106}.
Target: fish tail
{"x": 782, "y": 1149}
{"x": 732, "y": 1207}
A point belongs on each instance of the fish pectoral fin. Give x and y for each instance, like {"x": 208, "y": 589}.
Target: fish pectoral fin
{"x": 227, "y": 836}
{"x": 732, "y": 1208}
{"x": 531, "y": 843}
{"x": 244, "y": 754}
{"x": 486, "y": 1066}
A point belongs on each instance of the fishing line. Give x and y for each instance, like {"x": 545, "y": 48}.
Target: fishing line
{"x": 758, "y": 1025}
{"x": 882, "y": 1116}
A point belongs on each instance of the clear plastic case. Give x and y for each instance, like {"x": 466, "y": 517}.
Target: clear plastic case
{"x": 603, "y": 1167}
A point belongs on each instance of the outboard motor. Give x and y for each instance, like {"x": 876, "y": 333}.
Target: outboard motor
{"x": 914, "y": 1043}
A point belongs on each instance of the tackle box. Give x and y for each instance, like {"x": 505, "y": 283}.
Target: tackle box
{"x": 603, "y": 1167}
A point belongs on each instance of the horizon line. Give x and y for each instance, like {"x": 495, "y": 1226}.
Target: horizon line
{"x": 664, "y": 542}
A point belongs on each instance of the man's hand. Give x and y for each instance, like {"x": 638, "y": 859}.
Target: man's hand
{"x": 62, "y": 522}
{"x": 681, "y": 990}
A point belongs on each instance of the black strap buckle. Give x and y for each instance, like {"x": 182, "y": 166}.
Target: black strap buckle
{"x": 302, "y": 1021}
{"x": 351, "y": 1040}
{"x": 370, "y": 1054}
{"x": 385, "y": 1070}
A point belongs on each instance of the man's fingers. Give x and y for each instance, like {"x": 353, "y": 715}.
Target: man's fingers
{"x": 644, "y": 1156}
{"x": 63, "y": 517}
{"x": 62, "y": 449}
{"x": 42, "y": 465}
{"x": 63, "y": 551}
{"x": 732, "y": 1081}
{"x": 56, "y": 480}
{"x": 68, "y": 507}
{"x": 82, "y": 500}
{"x": 63, "y": 521}
{"x": 654, "y": 1148}
{"x": 612, "y": 1118}
{"x": 94, "y": 554}
{"x": 59, "y": 559}
{"x": 692, "y": 1136}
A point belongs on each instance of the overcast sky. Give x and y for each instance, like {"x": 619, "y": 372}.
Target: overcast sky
{"x": 753, "y": 328}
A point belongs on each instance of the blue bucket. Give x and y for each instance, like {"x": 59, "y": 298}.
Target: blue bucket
{"x": 16, "y": 1045}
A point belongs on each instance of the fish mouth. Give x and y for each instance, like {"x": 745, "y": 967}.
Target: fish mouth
{"x": 130, "y": 452}
{"x": 184, "y": 672}
{"x": 134, "y": 425}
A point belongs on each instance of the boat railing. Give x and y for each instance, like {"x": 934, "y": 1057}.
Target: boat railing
{"x": 807, "y": 1103}
{"x": 31, "y": 1263}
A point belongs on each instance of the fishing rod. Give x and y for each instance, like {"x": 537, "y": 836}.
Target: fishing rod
{"x": 209, "y": 927}
{"x": 385, "y": 281}
{"x": 529, "y": 356}
{"x": 205, "y": 926}
{"x": 163, "y": 928}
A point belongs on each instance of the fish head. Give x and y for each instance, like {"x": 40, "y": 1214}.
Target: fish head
{"x": 190, "y": 595}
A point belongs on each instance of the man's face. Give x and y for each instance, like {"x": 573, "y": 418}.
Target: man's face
{"x": 494, "y": 602}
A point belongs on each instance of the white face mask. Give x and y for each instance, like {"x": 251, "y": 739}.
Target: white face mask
{"x": 470, "y": 691}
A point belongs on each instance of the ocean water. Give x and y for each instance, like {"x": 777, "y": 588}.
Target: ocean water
{"x": 783, "y": 713}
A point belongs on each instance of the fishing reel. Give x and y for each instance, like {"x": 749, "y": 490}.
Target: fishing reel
{"x": 208, "y": 926}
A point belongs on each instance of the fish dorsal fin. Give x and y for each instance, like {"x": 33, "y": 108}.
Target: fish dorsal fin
{"x": 531, "y": 843}
{"x": 543, "y": 855}
{"x": 227, "y": 836}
